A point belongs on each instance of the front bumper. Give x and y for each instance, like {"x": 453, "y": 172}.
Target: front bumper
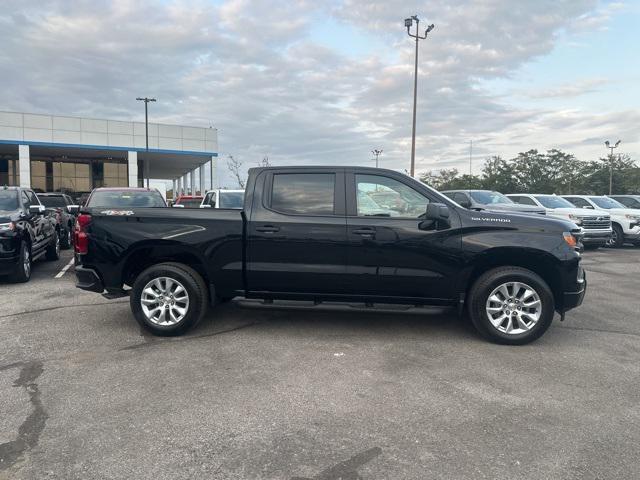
{"x": 572, "y": 300}
{"x": 88, "y": 279}
{"x": 8, "y": 265}
{"x": 632, "y": 237}
{"x": 590, "y": 237}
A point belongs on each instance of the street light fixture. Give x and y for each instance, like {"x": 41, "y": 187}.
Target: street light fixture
{"x": 146, "y": 101}
{"x": 611, "y": 148}
{"x": 377, "y": 153}
{"x": 408, "y": 22}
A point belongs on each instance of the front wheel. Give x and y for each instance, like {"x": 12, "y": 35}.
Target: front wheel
{"x": 168, "y": 299}
{"x": 511, "y": 305}
{"x": 617, "y": 237}
{"x": 22, "y": 273}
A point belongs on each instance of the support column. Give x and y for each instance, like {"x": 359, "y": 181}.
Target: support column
{"x": 192, "y": 175}
{"x": 214, "y": 173}
{"x": 132, "y": 161}
{"x": 202, "y": 185}
{"x": 24, "y": 166}
{"x": 174, "y": 191}
{"x": 179, "y": 186}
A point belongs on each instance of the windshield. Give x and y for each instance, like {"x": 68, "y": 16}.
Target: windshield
{"x": 489, "y": 198}
{"x": 52, "y": 202}
{"x": 231, "y": 199}
{"x": 551, "y": 201}
{"x": 190, "y": 202}
{"x": 9, "y": 200}
{"x": 606, "y": 203}
{"x": 126, "y": 199}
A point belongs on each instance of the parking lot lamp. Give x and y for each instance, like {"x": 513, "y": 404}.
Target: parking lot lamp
{"x": 408, "y": 22}
{"x": 611, "y": 147}
{"x": 146, "y": 101}
{"x": 377, "y": 153}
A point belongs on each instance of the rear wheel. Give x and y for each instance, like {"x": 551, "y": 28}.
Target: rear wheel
{"x": 53, "y": 250}
{"x": 22, "y": 273}
{"x": 168, "y": 299}
{"x": 617, "y": 237}
{"x": 65, "y": 238}
{"x": 511, "y": 305}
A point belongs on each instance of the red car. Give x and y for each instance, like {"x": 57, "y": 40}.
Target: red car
{"x": 188, "y": 201}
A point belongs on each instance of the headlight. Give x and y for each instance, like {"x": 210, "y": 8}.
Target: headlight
{"x": 576, "y": 219}
{"x": 7, "y": 227}
{"x": 632, "y": 217}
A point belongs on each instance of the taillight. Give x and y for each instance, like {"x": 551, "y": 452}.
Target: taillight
{"x": 81, "y": 239}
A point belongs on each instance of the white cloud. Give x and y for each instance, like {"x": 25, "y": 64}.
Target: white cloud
{"x": 249, "y": 68}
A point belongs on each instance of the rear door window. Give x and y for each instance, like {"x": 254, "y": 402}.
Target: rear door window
{"x": 303, "y": 193}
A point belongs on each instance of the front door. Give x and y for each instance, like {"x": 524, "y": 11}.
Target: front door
{"x": 389, "y": 254}
{"x": 297, "y": 232}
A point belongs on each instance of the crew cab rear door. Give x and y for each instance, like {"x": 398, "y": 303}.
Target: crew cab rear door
{"x": 296, "y": 233}
{"x": 389, "y": 254}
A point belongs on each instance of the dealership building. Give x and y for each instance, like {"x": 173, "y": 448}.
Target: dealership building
{"x": 52, "y": 153}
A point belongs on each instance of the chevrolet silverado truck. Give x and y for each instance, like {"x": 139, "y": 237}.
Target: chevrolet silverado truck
{"x": 318, "y": 234}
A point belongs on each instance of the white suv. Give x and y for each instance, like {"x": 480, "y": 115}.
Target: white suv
{"x": 624, "y": 221}
{"x": 595, "y": 224}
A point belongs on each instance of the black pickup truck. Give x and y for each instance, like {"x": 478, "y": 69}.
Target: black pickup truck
{"x": 27, "y": 232}
{"x": 318, "y": 233}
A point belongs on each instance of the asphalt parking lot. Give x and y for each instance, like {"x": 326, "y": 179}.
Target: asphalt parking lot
{"x": 317, "y": 393}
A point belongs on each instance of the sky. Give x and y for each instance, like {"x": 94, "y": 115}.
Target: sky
{"x": 326, "y": 82}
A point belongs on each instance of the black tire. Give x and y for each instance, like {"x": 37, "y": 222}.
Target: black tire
{"x": 485, "y": 285}
{"x": 53, "y": 250}
{"x": 192, "y": 283}
{"x": 65, "y": 238}
{"x": 22, "y": 273}
{"x": 617, "y": 240}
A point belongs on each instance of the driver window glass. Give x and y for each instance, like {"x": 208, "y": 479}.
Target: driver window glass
{"x": 460, "y": 198}
{"x": 525, "y": 201}
{"x": 578, "y": 202}
{"x": 385, "y": 197}
{"x": 33, "y": 200}
{"x": 25, "y": 200}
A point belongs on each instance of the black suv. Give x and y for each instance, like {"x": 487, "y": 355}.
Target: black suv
{"x": 27, "y": 232}
{"x": 60, "y": 203}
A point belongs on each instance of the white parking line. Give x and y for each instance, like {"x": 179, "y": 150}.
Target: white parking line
{"x": 64, "y": 269}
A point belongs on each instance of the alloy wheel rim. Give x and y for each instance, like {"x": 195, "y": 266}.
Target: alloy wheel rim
{"x": 26, "y": 264}
{"x": 57, "y": 245}
{"x": 513, "y": 308}
{"x": 164, "y": 301}
{"x": 614, "y": 238}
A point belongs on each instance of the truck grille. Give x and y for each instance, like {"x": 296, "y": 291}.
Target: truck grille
{"x": 596, "y": 222}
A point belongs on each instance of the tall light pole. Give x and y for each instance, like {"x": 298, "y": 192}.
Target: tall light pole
{"x": 377, "y": 153}
{"x": 611, "y": 147}
{"x": 408, "y": 22}
{"x": 146, "y": 101}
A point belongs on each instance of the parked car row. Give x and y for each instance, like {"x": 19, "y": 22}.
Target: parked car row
{"x": 604, "y": 220}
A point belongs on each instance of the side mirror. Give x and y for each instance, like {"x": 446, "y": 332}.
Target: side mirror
{"x": 73, "y": 209}
{"x": 36, "y": 209}
{"x": 437, "y": 214}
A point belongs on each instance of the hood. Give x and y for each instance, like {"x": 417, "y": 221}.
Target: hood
{"x": 623, "y": 211}
{"x": 508, "y": 207}
{"x": 581, "y": 212}
{"x": 516, "y": 220}
{"x": 7, "y": 216}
